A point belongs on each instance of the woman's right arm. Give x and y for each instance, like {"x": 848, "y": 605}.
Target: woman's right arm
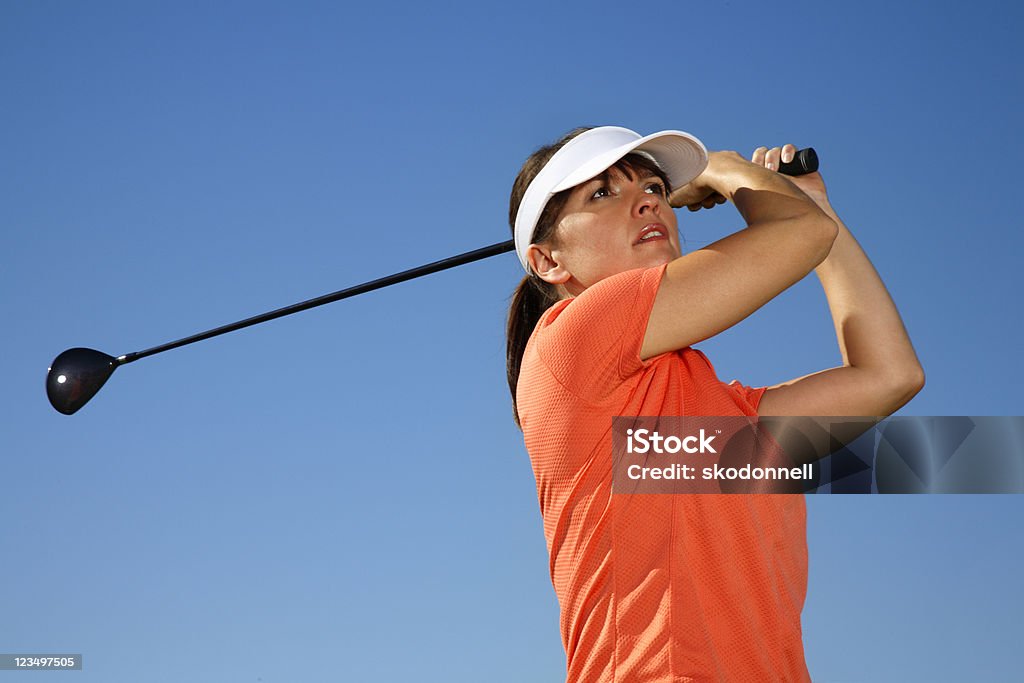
{"x": 710, "y": 290}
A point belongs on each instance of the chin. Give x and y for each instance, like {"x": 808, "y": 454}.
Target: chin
{"x": 658, "y": 257}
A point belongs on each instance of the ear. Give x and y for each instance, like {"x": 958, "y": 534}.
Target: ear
{"x": 546, "y": 265}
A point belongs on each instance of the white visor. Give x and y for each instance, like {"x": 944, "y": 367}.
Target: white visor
{"x": 680, "y": 155}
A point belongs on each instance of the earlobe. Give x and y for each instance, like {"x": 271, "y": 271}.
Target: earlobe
{"x": 547, "y": 267}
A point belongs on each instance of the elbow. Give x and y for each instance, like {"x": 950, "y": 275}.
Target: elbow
{"x": 917, "y": 381}
{"x": 913, "y": 383}
{"x": 818, "y": 232}
{"x": 826, "y": 231}
{"x": 904, "y": 384}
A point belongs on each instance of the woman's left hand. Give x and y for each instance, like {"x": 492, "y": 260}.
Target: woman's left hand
{"x": 812, "y": 184}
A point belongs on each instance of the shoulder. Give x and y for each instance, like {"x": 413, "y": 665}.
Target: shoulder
{"x": 590, "y": 343}
{"x": 608, "y": 300}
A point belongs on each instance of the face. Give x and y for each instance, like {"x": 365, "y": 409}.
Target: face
{"x": 610, "y": 224}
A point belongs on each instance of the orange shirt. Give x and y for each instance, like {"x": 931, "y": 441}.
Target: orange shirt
{"x": 696, "y": 588}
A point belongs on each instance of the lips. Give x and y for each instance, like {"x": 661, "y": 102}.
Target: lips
{"x": 652, "y": 232}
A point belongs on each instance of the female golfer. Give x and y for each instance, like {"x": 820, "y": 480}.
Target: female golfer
{"x": 676, "y": 587}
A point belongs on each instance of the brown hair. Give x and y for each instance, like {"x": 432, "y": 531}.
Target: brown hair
{"x": 533, "y": 296}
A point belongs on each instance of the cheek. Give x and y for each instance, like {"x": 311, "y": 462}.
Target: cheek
{"x": 585, "y": 228}
{"x": 672, "y": 223}
{"x": 573, "y": 224}
{"x": 577, "y": 233}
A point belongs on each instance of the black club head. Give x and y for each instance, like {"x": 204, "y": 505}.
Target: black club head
{"x": 75, "y": 376}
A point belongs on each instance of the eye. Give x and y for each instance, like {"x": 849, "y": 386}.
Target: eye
{"x": 656, "y": 187}
{"x": 600, "y": 192}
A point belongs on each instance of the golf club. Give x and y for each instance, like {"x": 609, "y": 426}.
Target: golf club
{"x": 77, "y": 374}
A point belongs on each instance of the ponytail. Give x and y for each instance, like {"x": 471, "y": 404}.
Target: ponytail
{"x": 532, "y": 297}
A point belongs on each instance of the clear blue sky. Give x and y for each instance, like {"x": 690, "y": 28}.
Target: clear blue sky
{"x": 342, "y": 495}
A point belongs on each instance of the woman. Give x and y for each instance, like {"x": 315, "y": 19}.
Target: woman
{"x": 676, "y": 587}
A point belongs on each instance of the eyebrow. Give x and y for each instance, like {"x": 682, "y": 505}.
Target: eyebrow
{"x": 632, "y": 174}
{"x": 643, "y": 173}
{"x": 600, "y": 178}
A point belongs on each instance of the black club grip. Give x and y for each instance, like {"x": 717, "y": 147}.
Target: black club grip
{"x": 805, "y": 161}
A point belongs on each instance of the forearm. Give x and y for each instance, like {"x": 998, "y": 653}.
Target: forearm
{"x": 880, "y": 370}
{"x": 780, "y": 216}
{"x": 868, "y": 326}
{"x": 760, "y": 195}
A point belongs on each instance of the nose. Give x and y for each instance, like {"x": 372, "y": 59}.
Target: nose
{"x": 647, "y": 203}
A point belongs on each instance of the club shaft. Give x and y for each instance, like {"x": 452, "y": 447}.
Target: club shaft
{"x": 806, "y": 161}
{"x": 444, "y": 264}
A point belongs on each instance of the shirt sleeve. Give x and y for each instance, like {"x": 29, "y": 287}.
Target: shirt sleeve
{"x": 750, "y": 396}
{"x": 593, "y": 343}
